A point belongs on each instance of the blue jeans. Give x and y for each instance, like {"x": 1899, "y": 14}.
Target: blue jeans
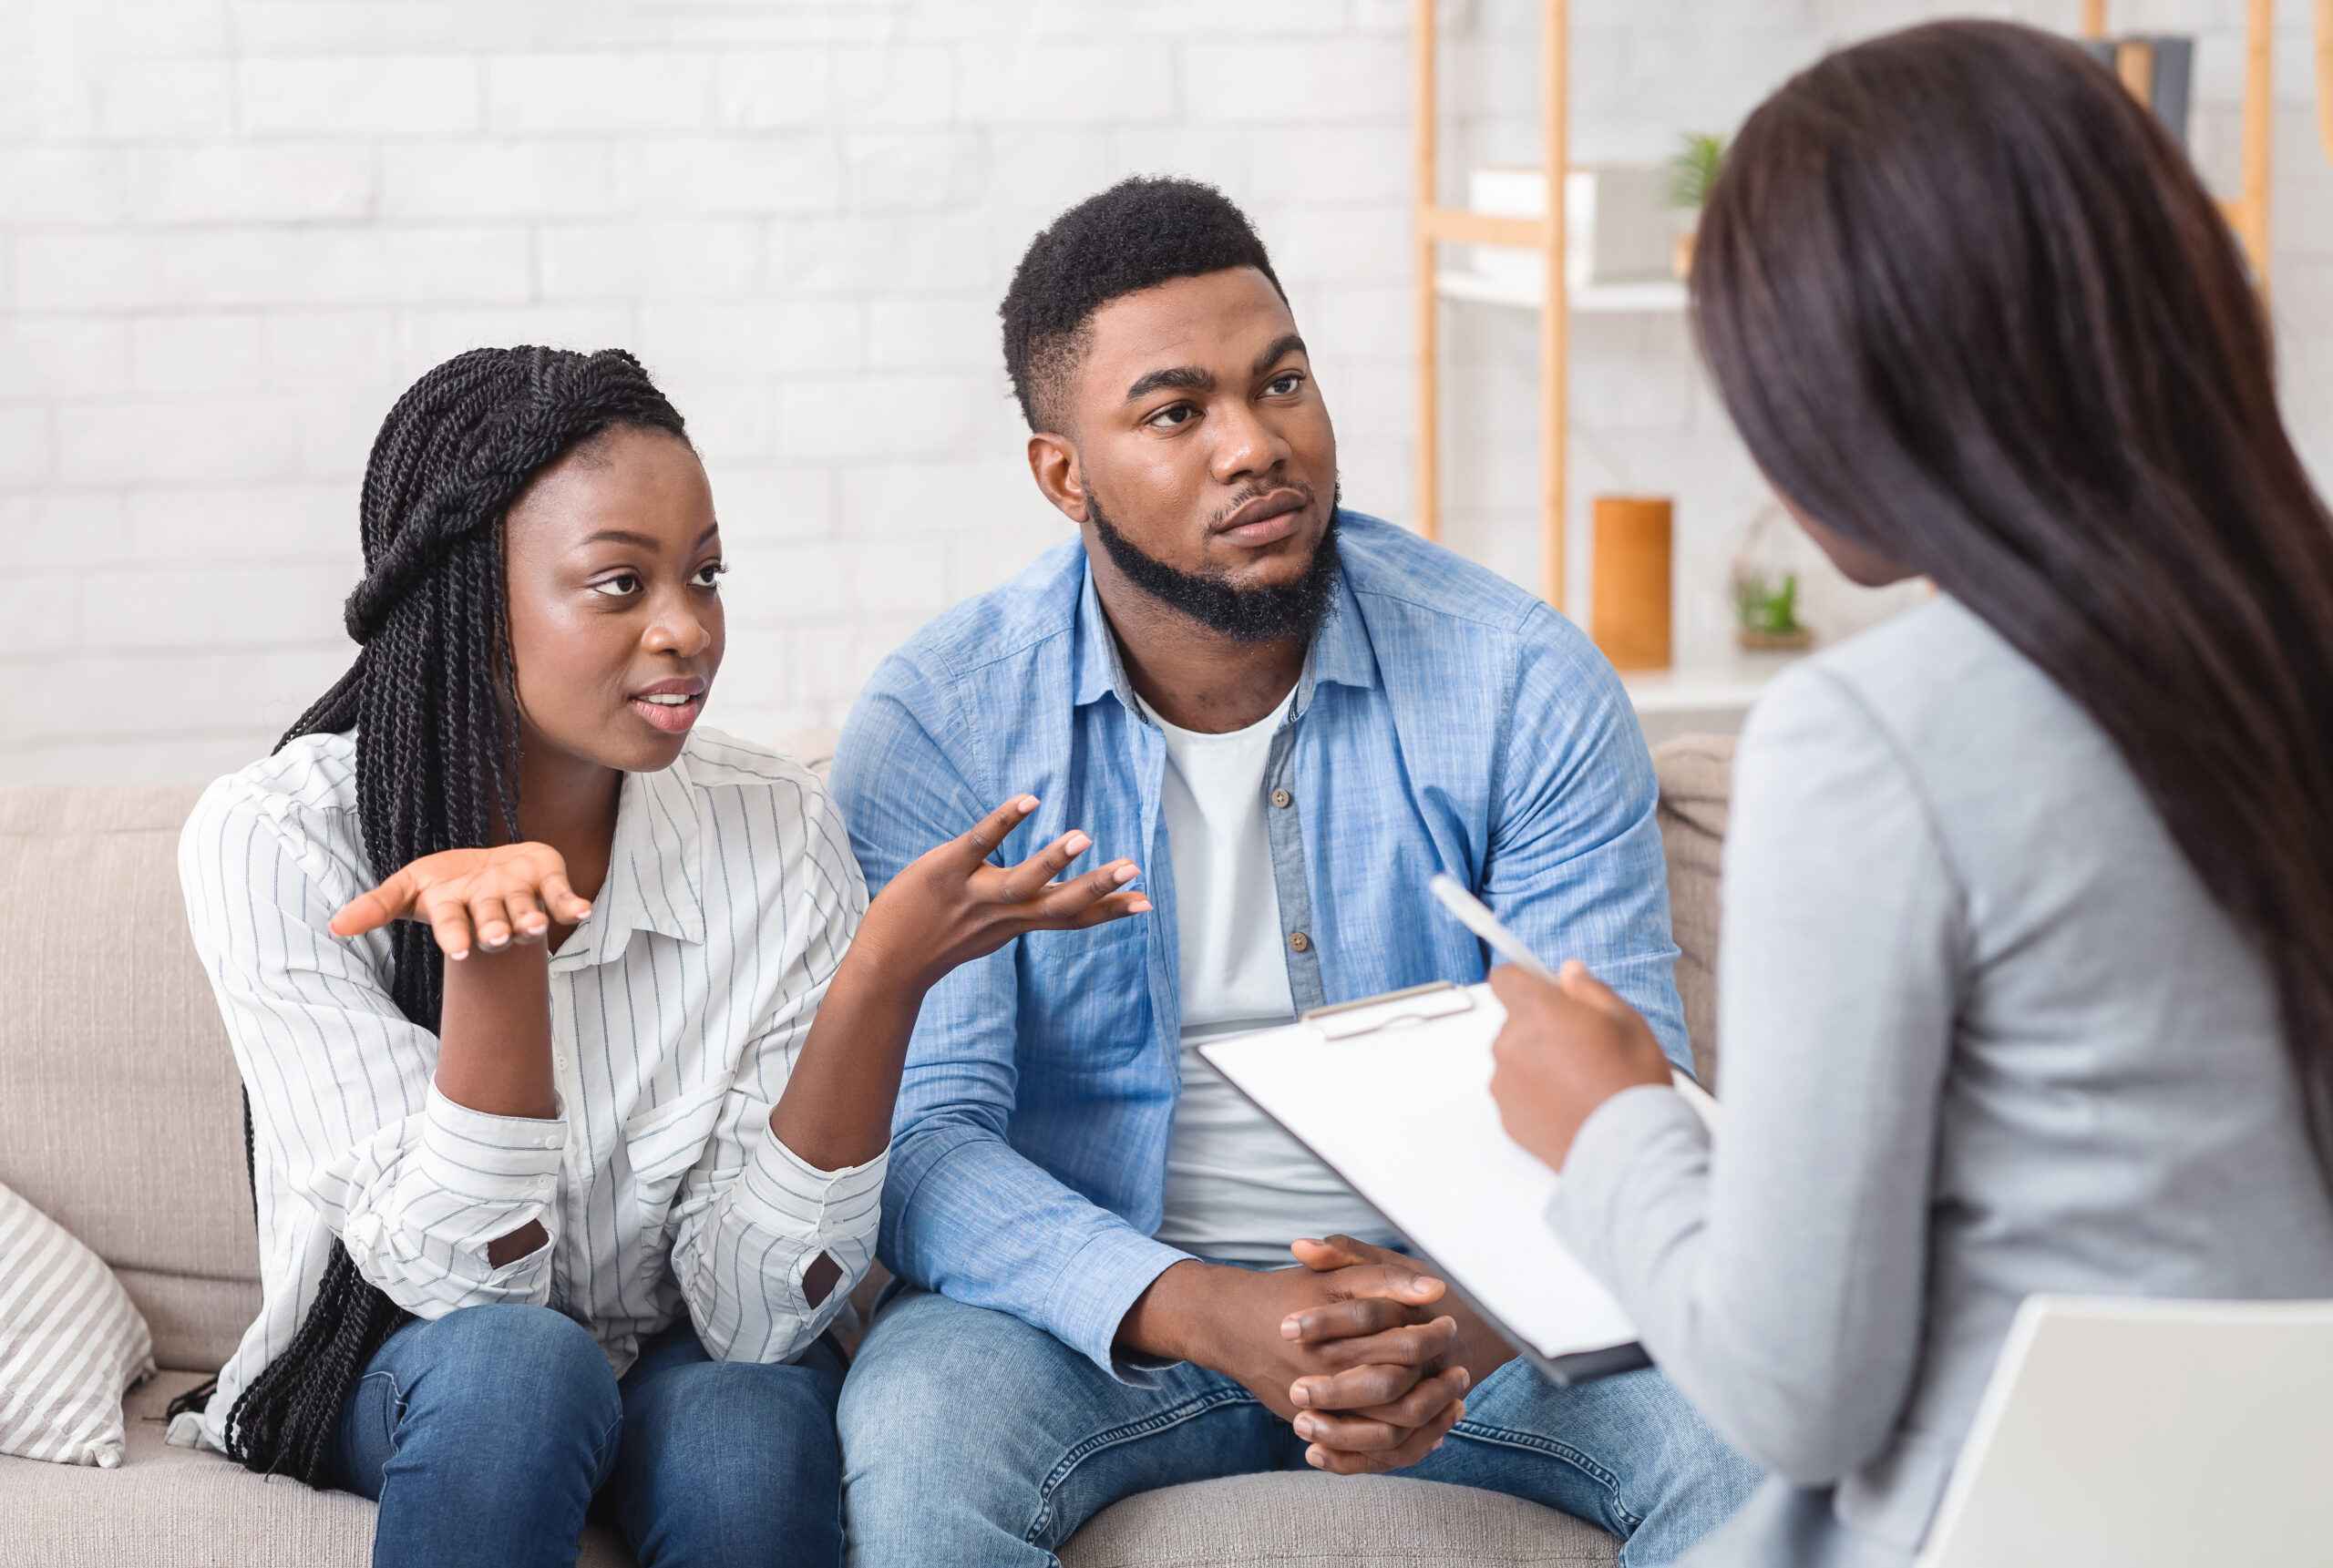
{"x": 488, "y": 1435}
{"x": 971, "y": 1437}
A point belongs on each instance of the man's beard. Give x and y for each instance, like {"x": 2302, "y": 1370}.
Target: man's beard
{"x": 1267, "y": 614}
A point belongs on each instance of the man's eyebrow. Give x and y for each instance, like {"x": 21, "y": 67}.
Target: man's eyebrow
{"x": 1181, "y": 377}
{"x": 1290, "y": 344}
{"x": 627, "y": 536}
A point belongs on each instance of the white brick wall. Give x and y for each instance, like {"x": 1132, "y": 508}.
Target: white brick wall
{"x": 233, "y": 230}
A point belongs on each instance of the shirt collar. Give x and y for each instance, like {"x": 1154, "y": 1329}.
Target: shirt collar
{"x": 653, "y": 883}
{"x": 1339, "y": 654}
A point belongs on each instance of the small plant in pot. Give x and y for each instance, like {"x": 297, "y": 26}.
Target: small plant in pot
{"x": 1691, "y": 174}
{"x": 1765, "y": 580}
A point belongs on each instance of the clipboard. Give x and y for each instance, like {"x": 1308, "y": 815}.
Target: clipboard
{"x": 1452, "y": 1194}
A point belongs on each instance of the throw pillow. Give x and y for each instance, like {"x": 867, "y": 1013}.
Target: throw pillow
{"x": 71, "y": 1343}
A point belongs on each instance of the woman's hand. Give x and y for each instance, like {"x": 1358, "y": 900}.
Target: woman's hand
{"x": 492, "y": 896}
{"x": 952, "y": 906}
{"x": 1566, "y": 1049}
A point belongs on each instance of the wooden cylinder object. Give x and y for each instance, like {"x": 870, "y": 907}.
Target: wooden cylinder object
{"x": 1629, "y": 598}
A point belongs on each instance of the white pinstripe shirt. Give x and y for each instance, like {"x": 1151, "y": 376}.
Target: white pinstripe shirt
{"x": 677, "y": 1009}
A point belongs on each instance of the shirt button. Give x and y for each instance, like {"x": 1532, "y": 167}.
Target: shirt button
{"x": 1299, "y": 941}
{"x": 1282, "y": 799}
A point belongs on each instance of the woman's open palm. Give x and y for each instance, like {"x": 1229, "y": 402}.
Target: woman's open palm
{"x": 491, "y": 897}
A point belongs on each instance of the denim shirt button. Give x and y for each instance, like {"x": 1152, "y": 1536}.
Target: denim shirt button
{"x": 1282, "y": 799}
{"x": 1299, "y": 941}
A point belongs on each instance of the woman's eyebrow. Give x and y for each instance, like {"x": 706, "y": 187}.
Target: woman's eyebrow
{"x": 628, "y": 536}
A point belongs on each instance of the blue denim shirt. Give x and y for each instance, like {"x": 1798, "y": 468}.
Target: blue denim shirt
{"x": 1444, "y": 718}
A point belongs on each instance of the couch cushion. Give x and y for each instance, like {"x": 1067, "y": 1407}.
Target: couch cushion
{"x": 182, "y": 1505}
{"x": 1365, "y": 1521}
{"x": 123, "y": 1116}
{"x": 1696, "y": 774}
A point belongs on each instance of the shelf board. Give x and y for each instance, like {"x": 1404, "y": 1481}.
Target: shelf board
{"x": 1729, "y": 684}
{"x": 1648, "y": 295}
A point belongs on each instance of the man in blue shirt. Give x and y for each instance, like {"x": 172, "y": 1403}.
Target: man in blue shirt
{"x": 1283, "y": 717}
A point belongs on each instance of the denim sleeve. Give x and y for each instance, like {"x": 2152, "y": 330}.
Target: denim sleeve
{"x": 1576, "y": 865}
{"x": 964, "y": 1213}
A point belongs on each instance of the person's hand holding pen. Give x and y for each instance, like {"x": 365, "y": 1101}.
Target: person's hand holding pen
{"x": 1569, "y": 1044}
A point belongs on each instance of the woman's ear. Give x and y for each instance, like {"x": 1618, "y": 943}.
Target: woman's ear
{"x": 1053, "y": 463}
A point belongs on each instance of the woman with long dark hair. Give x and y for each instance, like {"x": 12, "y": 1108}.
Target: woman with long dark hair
{"x": 2026, "y": 969}
{"x": 569, "y": 1037}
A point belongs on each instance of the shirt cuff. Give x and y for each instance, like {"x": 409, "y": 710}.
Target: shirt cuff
{"x": 491, "y": 1158}
{"x": 782, "y": 1193}
{"x": 1607, "y": 1168}
{"x": 1099, "y": 1285}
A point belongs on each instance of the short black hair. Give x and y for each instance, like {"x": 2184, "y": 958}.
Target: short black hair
{"x": 1139, "y": 233}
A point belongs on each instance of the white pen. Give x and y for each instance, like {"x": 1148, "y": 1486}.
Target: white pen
{"x": 1472, "y": 914}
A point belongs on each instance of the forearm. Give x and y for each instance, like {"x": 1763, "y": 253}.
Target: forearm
{"x": 836, "y": 1109}
{"x": 493, "y": 1033}
{"x": 494, "y": 1051}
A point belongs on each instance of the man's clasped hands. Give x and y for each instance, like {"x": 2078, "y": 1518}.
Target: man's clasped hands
{"x": 1367, "y": 1357}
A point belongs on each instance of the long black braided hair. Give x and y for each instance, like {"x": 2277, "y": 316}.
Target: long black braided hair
{"x": 433, "y": 699}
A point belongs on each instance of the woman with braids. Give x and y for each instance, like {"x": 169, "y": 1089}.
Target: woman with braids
{"x": 2028, "y": 949}
{"x": 569, "y": 1037}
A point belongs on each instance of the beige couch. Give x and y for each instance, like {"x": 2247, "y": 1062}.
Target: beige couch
{"x": 119, "y": 1117}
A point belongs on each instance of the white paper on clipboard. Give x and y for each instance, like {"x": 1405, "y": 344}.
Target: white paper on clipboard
{"x": 1394, "y": 1096}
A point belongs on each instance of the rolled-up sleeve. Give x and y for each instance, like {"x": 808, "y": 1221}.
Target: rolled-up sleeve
{"x": 752, "y": 1215}
{"x": 346, "y": 1114}
{"x": 418, "y": 1212}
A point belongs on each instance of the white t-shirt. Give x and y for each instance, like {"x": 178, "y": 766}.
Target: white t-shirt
{"x": 1238, "y": 1187}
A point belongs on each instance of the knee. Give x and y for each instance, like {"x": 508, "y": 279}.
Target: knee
{"x": 527, "y": 1366}
{"x": 920, "y": 1364}
{"x": 765, "y": 1428}
{"x": 931, "y": 1420}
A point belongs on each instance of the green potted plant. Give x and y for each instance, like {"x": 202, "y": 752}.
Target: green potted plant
{"x": 1691, "y": 174}
{"x": 1765, "y": 586}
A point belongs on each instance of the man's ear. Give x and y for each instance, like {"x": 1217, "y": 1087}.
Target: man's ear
{"x": 1053, "y": 463}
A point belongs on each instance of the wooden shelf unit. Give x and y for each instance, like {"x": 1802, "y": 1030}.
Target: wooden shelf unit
{"x": 2247, "y": 211}
{"x": 1438, "y": 225}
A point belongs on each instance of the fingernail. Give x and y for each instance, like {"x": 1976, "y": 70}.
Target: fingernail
{"x": 457, "y": 957}
{"x": 1316, "y": 1458}
{"x": 1125, "y": 874}
{"x": 1289, "y": 1328}
{"x": 1140, "y": 907}
{"x": 1300, "y": 1395}
{"x": 1307, "y": 1428}
{"x": 1464, "y": 1383}
{"x": 1078, "y": 844}
{"x": 1028, "y": 803}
